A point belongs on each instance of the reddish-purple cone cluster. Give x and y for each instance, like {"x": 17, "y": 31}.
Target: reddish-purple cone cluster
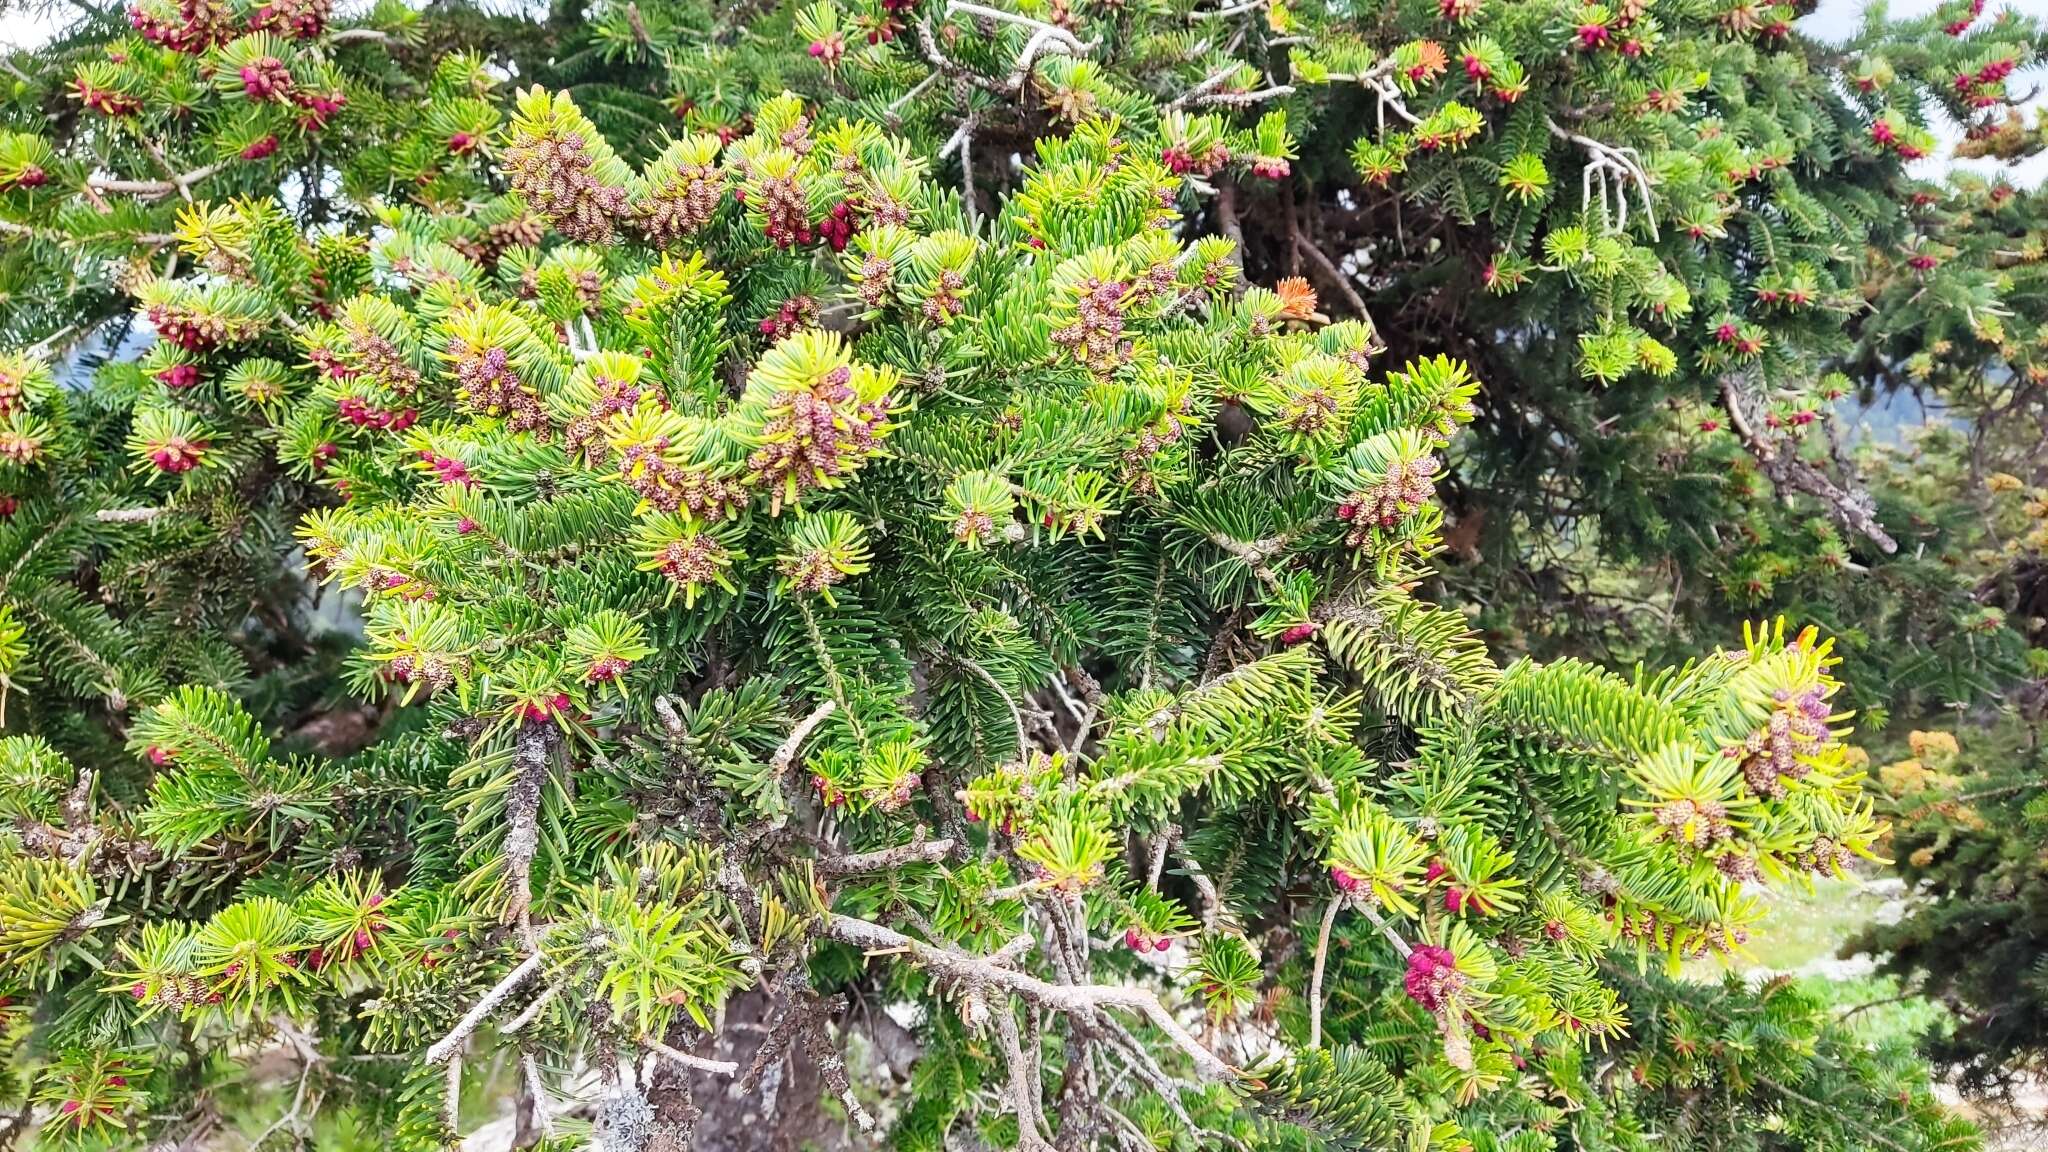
{"x": 1693, "y": 823}
{"x": 681, "y": 205}
{"x": 493, "y": 388}
{"x": 196, "y": 26}
{"x": 1139, "y": 940}
{"x": 1647, "y": 927}
{"x": 266, "y": 79}
{"x": 839, "y": 225}
{"x": 973, "y": 526}
{"x": 819, "y": 434}
{"x": 447, "y": 469}
{"x": 1825, "y": 855}
{"x": 787, "y": 211}
{"x": 1147, "y": 444}
{"x": 1182, "y": 162}
{"x": 178, "y": 454}
{"x": 432, "y": 671}
{"x": 1798, "y": 727}
{"x": 10, "y": 391}
{"x": 362, "y": 414}
{"x": 317, "y": 108}
{"x": 192, "y": 330}
{"x": 605, "y": 669}
{"x": 586, "y": 433}
{"x": 812, "y": 571}
{"x": 1433, "y": 976}
{"x": 898, "y": 794}
{"x": 540, "y": 711}
{"x": 794, "y": 315}
{"x": 1096, "y": 337}
{"x": 30, "y": 176}
{"x": 667, "y": 487}
{"x": 694, "y": 562}
{"x": 178, "y": 375}
{"x": 375, "y": 357}
{"x": 945, "y": 302}
{"x": 174, "y": 992}
{"x": 298, "y": 19}
{"x": 1406, "y": 487}
{"x": 556, "y": 176}
{"x": 1739, "y": 867}
{"x": 105, "y": 101}
{"x": 399, "y": 584}
{"x": 877, "y": 280}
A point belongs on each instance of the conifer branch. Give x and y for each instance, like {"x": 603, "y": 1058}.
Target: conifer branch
{"x": 1226, "y": 13}
{"x": 1853, "y": 508}
{"x": 1335, "y": 276}
{"x": 1208, "y": 84}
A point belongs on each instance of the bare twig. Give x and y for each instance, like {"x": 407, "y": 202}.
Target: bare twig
{"x": 527, "y": 1015}
{"x": 951, "y": 67}
{"x": 1044, "y": 40}
{"x": 1212, "y": 904}
{"x": 1254, "y": 554}
{"x": 897, "y": 104}
{"x": 786, "y": 752}
{"x": 1160, "y": 843}
{"x": 451, "y": 1099}
{"x": 1322, "y": 263}
{"x": 532, "y": 749}
{"x": 447, "y": 1045}
{"x": 1240, "y": 99}
{"x": 1209, "y": 84}
{"x": 1053, "y": 30}
{"x": 1075, "y": 999}
{"x": 716, "y": 1067}
{"x": 180, "y": 183}
{"x": 1387, "y": 930}
{"x": 1315, "y": 980}
{"x": 543, "y": 1106}
{"x": 1010, "y": 702}
{"x": 1610, "y": 170}
{"x": 1024, "y": 1089}
{"x": 51, "y": 342}
{"x": 128, "y": 515}
{"x": 917, "y": 851}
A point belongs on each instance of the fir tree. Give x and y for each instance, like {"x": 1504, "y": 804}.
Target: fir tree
{"x": 790, "y": 582}
{"x": 727, "y": 682}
